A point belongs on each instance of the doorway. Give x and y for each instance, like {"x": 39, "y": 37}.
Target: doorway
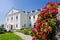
{"x": 11, "y": 27}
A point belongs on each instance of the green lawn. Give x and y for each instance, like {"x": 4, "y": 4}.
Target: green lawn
{"x": 9, "y": 36}
{"x": 26, "y": 31}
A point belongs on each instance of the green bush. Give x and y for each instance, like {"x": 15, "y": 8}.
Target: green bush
{"x": 45, "y": 25}
{"x": 26, "y": 31}
{"x": 1, "y": 31}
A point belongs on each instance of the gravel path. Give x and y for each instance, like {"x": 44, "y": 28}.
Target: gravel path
{"x": 23, "y": 36}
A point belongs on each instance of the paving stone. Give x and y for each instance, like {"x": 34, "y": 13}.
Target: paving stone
{"x": 23, "y": 36}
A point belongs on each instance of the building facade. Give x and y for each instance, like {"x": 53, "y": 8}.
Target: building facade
{"x": 17, "y": 19}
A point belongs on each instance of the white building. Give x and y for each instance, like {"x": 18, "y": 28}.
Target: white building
{"x": 17, "y": 19}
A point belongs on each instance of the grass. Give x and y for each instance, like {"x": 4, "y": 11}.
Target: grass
{"x": 26, "y": 31}
{"x": 9, "y": 36}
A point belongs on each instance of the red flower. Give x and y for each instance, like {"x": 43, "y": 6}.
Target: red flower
{"x": 33, "y": 38}
{"x": 44, "y": 37}
{"x": 42, "y": 27}
{"x": 39, "y": 32}
{"x": 34, "y": 30}
{"x": 39, "y": 14}
{"x": 38, "y": 20}
{"x": 36, "y": 27}
{"x": 43, "y": 33}
{"x": 47, "y": 28}
{"x": 53, "y": 11}
{"x": 51, "y": 3}
{"x": 44, "y": 11}
{"x": 45, "y": 15}
{"x": 44, "y": 21}
{"x": 56, "y": 10}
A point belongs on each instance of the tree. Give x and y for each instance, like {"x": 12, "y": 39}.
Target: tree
{"x": 2, "y": 25}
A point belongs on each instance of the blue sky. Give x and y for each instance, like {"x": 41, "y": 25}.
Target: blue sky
{"x": 25, "y": 5}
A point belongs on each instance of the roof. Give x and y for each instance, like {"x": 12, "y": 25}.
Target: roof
{"x": 13, "y": 11}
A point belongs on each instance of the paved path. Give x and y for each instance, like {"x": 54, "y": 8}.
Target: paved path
{"x": 23, "y": 36}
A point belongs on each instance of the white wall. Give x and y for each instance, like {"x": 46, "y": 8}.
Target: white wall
{"x": 32, "y": 20}
{"x": 13, "y": 22}
{"x": 23, "y": 19}
{"x": 17, "y": 21}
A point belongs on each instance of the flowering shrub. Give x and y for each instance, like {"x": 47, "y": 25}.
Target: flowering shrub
{"x": 45, "y": 23}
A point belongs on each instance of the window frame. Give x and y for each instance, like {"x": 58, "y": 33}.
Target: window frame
{"x": 34, "y": 17}
{"x": 16, "y": 25}
{"x": 16, "y": 17}
{"x": 11, "y": 18}
{"x": 29, "y": 17}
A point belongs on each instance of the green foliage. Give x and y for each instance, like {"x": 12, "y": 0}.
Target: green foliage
{"x": 1, "y": 32}
{"x": 46, "y": 22}
{"x": 1, "y": 26}
{"x": 26, "y": 31}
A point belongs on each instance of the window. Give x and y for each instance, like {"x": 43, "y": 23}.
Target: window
{"x": 29, "y": 24}
{"x": 7, "y": 26}
{"x": 16, "y": 17}
{"x": 11, "y": 18}
{"x": 29, "y": 17}
{"x": 34, "y": 17}
{"x": 16, "y": 25}
{"x": 33, "y": 11}
{"x": 38, "y": 9}
{"x": 24, "y": 25}
{"x": 24, "y": 11}
{"x": 28, "y": 12}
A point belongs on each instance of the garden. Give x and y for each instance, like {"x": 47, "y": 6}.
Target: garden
{"x": 44, "y": 27}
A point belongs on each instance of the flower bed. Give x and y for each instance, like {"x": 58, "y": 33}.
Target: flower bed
{"x": 46, "y": 23}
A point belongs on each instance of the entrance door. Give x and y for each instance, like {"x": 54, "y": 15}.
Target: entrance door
{"x": 11, "y": 27}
